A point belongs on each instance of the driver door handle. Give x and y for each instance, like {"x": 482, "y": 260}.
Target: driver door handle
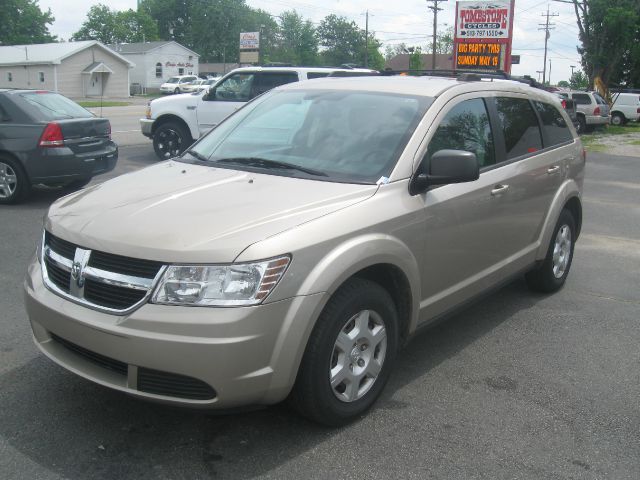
{"x": 499, "y": 189}
{"x": 554, "y": 169}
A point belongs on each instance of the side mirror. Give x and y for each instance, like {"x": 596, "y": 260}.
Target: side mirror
{"x": 210, "y": 95}
{"x": 446, "y": 166}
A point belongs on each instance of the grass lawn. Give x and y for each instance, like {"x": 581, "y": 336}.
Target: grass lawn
{"x": 95, "y": 104}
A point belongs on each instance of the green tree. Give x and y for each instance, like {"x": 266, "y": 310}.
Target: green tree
{"x": 112, "y": 26}
{"x": 24, "y": 23}
{"x": 415, "y": 58}
{"x": 297, "y": 42}
{"x": 444, "y": 42}
{"x": 343, "y": 42}
{"x": 608, "y": 32}
{"x": 578, "y": 81}
{"x": 563, "y": 84}
{"x": 391, "y": 51}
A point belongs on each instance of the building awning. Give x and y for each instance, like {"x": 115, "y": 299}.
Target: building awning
{"x": 96, "y": 67}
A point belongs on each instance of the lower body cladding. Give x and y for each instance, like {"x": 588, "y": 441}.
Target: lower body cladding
{"x": 190, "y": 356}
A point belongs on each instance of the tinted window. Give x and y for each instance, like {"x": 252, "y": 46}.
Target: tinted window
{"x": 269, "y": 80}
{"x": 466, "y": 127}
{"x": 312, "y": 75}
{"x": 52, "y": 106}
{"x": 582, "y": 99}
{"x": 599, "y": 99}
{"x": 520, "y": 126}
{"x": 555, "y": 128}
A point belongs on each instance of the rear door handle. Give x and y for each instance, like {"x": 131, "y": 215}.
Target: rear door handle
{"x": 499, "y": 189}
{"x": 191, "y": 107}
{"x": 554, "y": 169}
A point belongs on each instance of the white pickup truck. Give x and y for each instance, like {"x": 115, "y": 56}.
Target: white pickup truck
{"x": 174, "y": 123}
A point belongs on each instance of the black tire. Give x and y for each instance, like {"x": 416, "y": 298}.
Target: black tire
{"x": 77, "y": 184}
{"x": 170, "y": 140}
{"x": 617, "y": 118}
{"x": 176, "y": 91}
{"x": 15, "y": 185}
{"x": 582, "y": 125}
{"x": 313, "y": 396}
{"x": 544, "y": 278}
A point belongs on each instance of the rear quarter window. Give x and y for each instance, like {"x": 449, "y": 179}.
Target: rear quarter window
{"x": 555, "y": 128}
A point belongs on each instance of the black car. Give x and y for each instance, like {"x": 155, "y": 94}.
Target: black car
{"x": 45, "y": 138}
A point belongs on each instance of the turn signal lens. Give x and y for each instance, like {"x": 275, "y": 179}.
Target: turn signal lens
{"x": 51, "y": 136}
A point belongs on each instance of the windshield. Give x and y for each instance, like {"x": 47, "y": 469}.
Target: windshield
{"x": 343, "y": 136}
{"x": 53, "y": 106}
{"x": 173, "y": 80}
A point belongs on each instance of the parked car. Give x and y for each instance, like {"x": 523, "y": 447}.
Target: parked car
{"x": 625, "y": 108}
{"x": 45, "y": 138}
{"x": 569, "y": 106}
{"x": 176, "y": 84}
{"x": 593, "y": 110}
{"x": 208, "y": 83}
{"x": 193, "y": 86}
{"x": 175, "y": 123}
{"x": 297, "y": 246}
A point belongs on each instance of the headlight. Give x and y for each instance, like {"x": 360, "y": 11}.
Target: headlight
{"x": 220, "y": 285}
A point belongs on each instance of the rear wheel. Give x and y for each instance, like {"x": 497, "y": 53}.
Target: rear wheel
{"x": 551, "y": 274}
{"x": 349, "y": 356}
{"x": 14, "y": 183}
{"x": 582, "y": 124}
{"x": 170, "y": 140}
{"x": 618, "y": 119}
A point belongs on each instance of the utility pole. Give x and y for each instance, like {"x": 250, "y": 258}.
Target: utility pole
{"x": 366, "y": 40}
{"x": 435, "y": 9}
{"x": 538, "y": 72}
{"x": 572, "y": 67}
{"x": 546, "y": 27}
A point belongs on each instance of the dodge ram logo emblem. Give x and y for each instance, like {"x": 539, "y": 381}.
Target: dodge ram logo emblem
{"x": 76, "y": 273}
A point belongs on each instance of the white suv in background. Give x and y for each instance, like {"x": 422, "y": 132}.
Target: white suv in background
{"x": 592, "y": 109}
{"x": 175, "y": 84}
{"x": 626, "y": 108}
{"x": 175, "y": 123}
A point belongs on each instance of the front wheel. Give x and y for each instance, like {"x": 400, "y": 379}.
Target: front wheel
{"x": 617, "y": 119}
{"x": 349, "y": 356}
{"x": 551, "y": 274}
{"x": 170, "y": 140}
{"x": 176, "y": 91}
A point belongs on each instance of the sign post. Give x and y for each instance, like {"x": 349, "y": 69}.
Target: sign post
{"x": 483, "y": 35}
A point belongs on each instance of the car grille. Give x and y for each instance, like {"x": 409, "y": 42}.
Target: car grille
{"x": 148, "y": 380}
{"x": 98, "y": 279}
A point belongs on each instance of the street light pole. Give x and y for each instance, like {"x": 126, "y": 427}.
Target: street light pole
{"x": 435, "y": 10}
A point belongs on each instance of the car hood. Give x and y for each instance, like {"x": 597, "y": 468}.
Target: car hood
{"x": 178, "y": 212}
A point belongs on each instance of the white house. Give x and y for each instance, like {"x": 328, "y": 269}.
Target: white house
{"x": 157, "y": 61}
{"x": 74, "y": 69}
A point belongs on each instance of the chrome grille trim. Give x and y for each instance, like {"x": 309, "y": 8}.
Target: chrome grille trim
{"x": 76, "y": 289}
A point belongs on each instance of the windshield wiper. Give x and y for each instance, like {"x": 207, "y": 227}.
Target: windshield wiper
{"x": 197, "y": 155}
{"x": 270, "y": 164}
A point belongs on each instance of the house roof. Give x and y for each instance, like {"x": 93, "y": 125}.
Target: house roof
{"x": 144, "y": 47}
{"x": 49, "y": 53}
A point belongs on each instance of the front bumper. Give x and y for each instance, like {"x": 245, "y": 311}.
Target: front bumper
{"x": 246, "y": 355}
{"x": 146, "y": 127}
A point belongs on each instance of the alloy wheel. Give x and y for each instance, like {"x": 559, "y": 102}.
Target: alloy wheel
{"x": 561, "y": 251}
{"x": 8, "y": 181}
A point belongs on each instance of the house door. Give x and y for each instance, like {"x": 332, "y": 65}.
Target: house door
{"x": 94, "y": 88}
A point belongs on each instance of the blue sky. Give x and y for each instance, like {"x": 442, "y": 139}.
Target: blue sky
{"x": 407, "y": 21}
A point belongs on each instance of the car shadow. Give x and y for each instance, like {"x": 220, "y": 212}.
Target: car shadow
{"x": 80, "y": 430}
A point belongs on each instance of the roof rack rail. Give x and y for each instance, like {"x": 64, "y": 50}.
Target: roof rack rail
{"x": 350, "y": 73}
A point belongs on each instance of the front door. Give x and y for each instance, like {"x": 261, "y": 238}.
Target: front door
{"x": 94, "y": 88}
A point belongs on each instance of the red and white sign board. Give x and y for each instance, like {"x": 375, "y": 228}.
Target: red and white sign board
{"x": 249, "y": 40}
{"x": 483, "y": 20}
{"x": 483, "y": 34}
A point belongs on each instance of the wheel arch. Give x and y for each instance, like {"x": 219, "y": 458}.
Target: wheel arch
{"x": 170, "y": 117}
{"x": 568, "y": 196}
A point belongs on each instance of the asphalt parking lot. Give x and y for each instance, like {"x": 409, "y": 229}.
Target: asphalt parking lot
{"x": 519, "y": 386}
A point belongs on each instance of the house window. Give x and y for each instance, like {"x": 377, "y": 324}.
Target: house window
{"x": 181, "y": 71}
{"x": 9, "y": 77}
{"x": 41, "y": 76}
{"x": 158, "y": 70}
{"x": 190, "y": 57}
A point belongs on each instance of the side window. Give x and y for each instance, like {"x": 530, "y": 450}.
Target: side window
{"x": 466, "y": 127}
{"x": 158, "y": 70}
{"x": 3, "y": 115}
{"x": 520, "y": 126}
{"x": 582, "y": 99}
{"x": 265, "y": 81}
{"x": 312, "y": 75}
{"x": 236, "y": 88}
{"x": 555, "y": 128}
